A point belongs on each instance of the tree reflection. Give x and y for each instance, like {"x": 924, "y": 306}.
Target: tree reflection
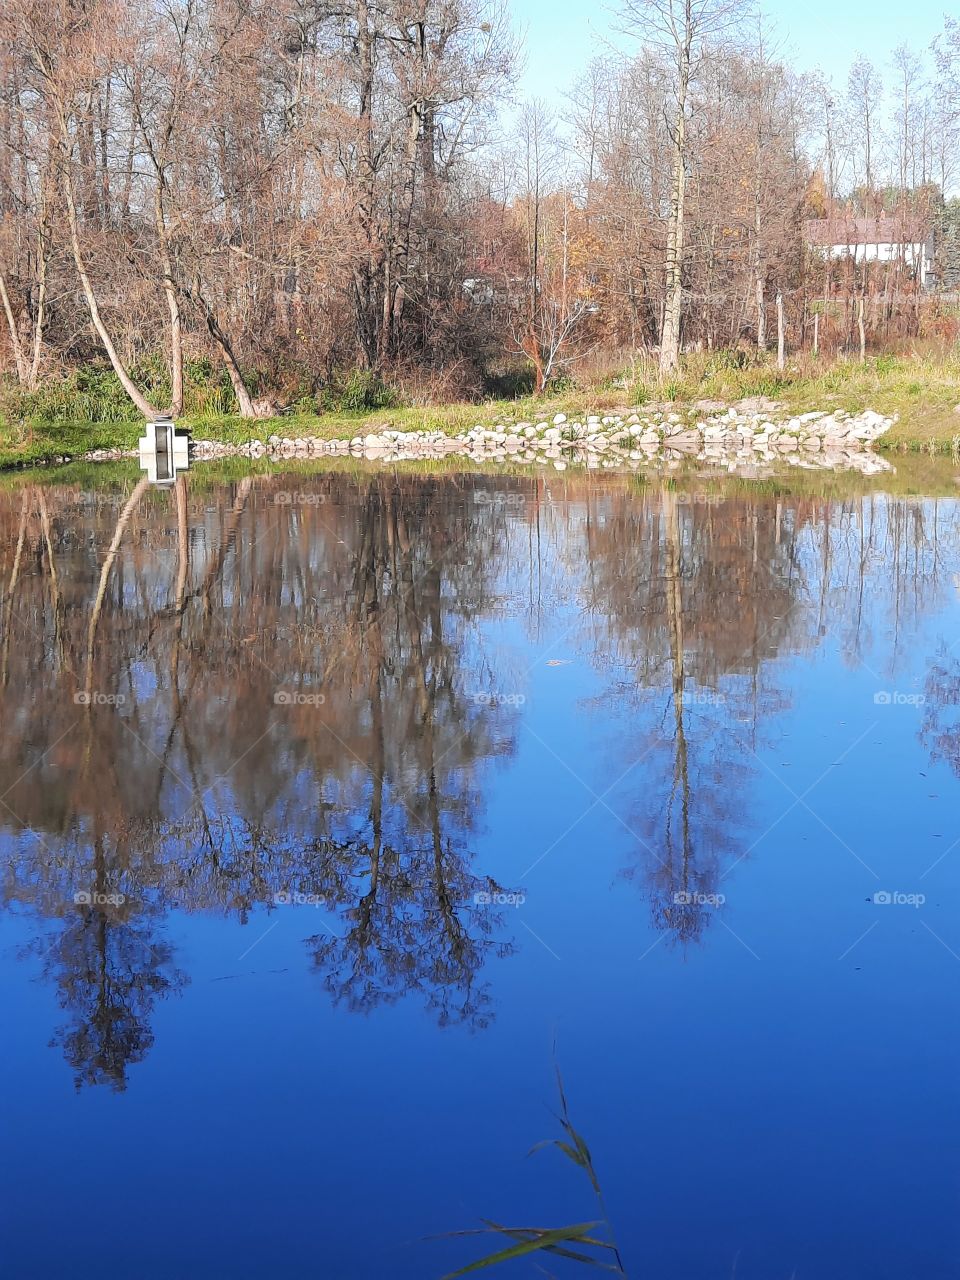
{"x": 215, "y": 697}
{"x": 156, "y": 716}
{"x": 106, "y": 958}
{"x": 940, "y": 728}
{"x": 408, "y": 922}
{"x": 412, "y": 926}
{"x": 692, "y": 599}
{"x": 109, "y": 973}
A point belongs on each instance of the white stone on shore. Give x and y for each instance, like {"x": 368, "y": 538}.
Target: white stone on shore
{"x": 742, "y": 437}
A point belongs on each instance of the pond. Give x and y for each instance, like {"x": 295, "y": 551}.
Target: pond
{"x": 340, "y": 808}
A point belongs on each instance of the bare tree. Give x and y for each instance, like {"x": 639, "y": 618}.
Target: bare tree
{"x": 864, "y": 96}
{"x": 683, "y": 30}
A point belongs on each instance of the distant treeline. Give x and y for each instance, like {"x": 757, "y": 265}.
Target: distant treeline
{"x": 303, "y": 200}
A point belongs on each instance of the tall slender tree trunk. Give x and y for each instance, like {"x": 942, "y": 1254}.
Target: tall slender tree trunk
{"x": 129, "y": 386}
{"x": 173, "y": 302}
{"x": 23, "y": 369}
{"x": 244, "y": 399}
{"x": 673, "y": 305}
{"x": 759, "y": 271}
{"x": 367, "y": 269}
{"x": 40, "y": 319}
{"x": 861, "y": 328}
{"x": 28, "y": 362}
{"x": 397, "y": 263}
{"x": 761, "y": 309}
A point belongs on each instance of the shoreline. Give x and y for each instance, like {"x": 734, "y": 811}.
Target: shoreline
{"x": 737, "y": 439}
{"x": 753, "y": 431}
{"x": 919, "y": 392}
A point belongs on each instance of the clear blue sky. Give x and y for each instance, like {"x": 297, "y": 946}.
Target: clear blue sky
{"x": 562, "y": 35}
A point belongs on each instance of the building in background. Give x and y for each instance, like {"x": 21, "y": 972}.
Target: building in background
{"x": 904, "y": 241}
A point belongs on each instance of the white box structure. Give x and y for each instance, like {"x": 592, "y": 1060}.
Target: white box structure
{"x": 163, "y": 453}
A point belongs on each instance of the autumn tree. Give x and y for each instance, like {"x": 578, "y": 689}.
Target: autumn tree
{"x": 684, "y": 30}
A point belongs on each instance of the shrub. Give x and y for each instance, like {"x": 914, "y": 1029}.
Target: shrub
{"x": 365, "y": 390}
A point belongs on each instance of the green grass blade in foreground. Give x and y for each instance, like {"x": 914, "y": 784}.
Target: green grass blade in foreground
{"x": 580, "y": 1152}
{"x": 528, "y": 1233}
{"x": 521, "y": 1233}
{"x": 543, "y": 1240}
{"x": 531, "y": 1239}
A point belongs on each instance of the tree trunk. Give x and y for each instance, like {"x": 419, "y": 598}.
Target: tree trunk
{"x": 40, "y": 320}
{"x": 861, "y": 328}
{"x": 673, "y": 305}
{"x": 367, "y": 269}
{"x": 173, "y": 303}
{"x": 140, "y": 400}
{"x": 397, "y": 263}
{"x": 23, "y": 371}
{"x": 244, "y": 399}
{"x": 761, "y": 312}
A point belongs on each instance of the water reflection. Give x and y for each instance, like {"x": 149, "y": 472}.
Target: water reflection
{"x": 230, "y": 698}
{"x": 108, "y": 973}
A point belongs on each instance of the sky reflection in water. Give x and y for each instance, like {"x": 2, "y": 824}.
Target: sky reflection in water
{"x": 495, "y": 762}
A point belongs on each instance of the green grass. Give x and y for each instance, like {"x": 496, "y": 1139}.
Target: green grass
{"x": 85, "y": 412}
{"x": 921, "y": 391}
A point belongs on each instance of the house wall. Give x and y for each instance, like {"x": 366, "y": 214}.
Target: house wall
{"x": 910, "y": 254}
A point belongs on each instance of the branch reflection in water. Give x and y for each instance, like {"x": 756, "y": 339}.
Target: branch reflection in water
{"x": 235, "y": 695}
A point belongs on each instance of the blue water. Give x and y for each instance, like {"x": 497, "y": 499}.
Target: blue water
{"x": 206, "y": 1081}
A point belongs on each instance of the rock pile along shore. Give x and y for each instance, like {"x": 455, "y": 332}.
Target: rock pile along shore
{"x": 745, "y": 437}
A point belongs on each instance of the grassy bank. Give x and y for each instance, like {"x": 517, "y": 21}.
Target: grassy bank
{"x": 922, "y": 391}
